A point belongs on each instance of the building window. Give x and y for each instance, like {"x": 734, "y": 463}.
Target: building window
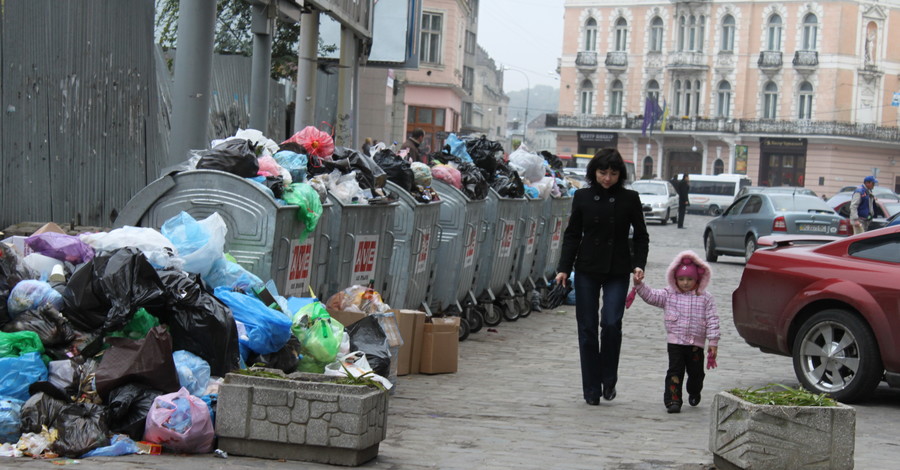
{"x": 587, "y": 97}
{"x": 770, "y": 101}
{"x": 648, "y": 167}
{"x": 678, "y": 92}
{"x": 430, "y": 52}
{"x": 773, "y": 33}
{"x": 621, "y": 35}
{"x": 806, "y": 98}
{"x": 810, "y": 32}
{"x": 431, "y": 120}
{"x": 467, "y": 113}
{"x": 686, "y": 111}
{"x": 724, "y": 109}
{"x": 615, "y": 98}
{"x": 692, "y": 34}
{"x": 471, "y": 42}
{"x": 656, "y": 34}
{"x": 468, "y": 79}
{"x": 718, "y": 167}
{"x": 696, "y": 98}
{"x": 728, "y": 33}
{"x": 682, "y": 31}
{"x": 653, "y": 90}
{"x": 590, "y": 35}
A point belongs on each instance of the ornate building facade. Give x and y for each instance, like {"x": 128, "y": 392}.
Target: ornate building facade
{"x": 796, "y": 93}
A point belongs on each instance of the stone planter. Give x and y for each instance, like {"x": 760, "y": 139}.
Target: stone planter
{"x": 300, "y": 418}
{"x": 746, "y": 436}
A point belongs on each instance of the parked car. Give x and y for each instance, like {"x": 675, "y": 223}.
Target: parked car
{"x": 776, "y": 189}
{"x": 756, "y": 215}
{"x": 840, "y": 202}
{"x": 831, "y": 307}
{"x": 659, "y": 198}
{"x": 880, "y": 192}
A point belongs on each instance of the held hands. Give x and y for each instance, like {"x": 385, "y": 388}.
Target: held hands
{"x": 711, "y": 357}
{"x": 638, "y": 276}
{"x": 561, "y": 278}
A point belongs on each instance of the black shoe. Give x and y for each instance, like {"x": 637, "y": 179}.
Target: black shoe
{"x": 592, "y": 401}
{"x": 694, "y": 400}
{"x": 609, "y": 393}
{"x": 673, "y": 408}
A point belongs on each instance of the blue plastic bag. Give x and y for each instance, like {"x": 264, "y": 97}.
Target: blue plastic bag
{"x": 294, "y": 163}
{"x": 199, "y": 243}
{"x": 193, "y": 372}
{"x": 119, "y": 445}
{"x": 32, "y": 294}
{"x": 266, "y": 330}
{"x": 10, "y": 419}
{"x": 458, "y": 148}
{"x": 18, "y": 373}
{"x": 226, "y": 273}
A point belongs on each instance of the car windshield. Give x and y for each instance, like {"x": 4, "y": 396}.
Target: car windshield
{"x": 789, "y": 203}
{"x": 649, "y": 188}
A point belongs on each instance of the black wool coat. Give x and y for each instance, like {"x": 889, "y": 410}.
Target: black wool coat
{"x": 596, "y": 239}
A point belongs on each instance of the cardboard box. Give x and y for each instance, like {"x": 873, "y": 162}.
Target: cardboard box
{"x": 49, "y": 227}
{"x": 345, "y": 317}
{"x": 412, "y": 326}
{"x": 440, "y": 346}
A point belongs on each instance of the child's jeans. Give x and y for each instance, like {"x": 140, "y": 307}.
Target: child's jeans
{"x": 683, "y": 357}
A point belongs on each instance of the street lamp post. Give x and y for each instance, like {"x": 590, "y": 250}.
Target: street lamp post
{"x": 527, "y": 98}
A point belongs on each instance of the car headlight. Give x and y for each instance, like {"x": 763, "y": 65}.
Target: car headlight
{"x": 659, "y": 204}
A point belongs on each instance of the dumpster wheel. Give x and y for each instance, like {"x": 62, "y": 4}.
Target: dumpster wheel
{"x": 463, "y": 329}
{"x": 509, "y": 309}
{"x": 475, "y": 319}
{"x": 491, "y": 315}
{"x": 523, "y": 305}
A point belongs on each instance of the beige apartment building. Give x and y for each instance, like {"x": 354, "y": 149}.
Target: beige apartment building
{"x": 799, "y": 93}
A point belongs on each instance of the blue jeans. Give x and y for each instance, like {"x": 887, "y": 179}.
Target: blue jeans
{"x": 599, "y": 353}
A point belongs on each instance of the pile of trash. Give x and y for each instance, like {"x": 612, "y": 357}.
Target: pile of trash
{"x": 116, "y": 342}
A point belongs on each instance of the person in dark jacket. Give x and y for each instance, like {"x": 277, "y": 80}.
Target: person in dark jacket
{"x": 683, "y": 187}
{"x": 412, "y": 144}
{"x": 596, "y": 245}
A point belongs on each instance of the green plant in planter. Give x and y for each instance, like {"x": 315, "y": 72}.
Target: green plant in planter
{"x": 782, "y": 395}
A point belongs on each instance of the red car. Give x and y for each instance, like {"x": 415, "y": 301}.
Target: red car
{"x": 835, "y": 308}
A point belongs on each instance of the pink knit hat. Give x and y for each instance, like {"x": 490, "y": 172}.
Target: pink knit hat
{"x": 687, "y": 268}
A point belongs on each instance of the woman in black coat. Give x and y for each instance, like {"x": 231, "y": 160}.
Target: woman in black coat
{"x": 596, "y": 245}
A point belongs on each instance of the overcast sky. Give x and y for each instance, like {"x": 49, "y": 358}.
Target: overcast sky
{"x": 525, "y": 35}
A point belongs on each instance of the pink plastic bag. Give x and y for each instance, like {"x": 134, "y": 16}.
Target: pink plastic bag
{"x": 180, "y": 422}
{"x": 630, "y": 298}
{"x": 268, "y": 166}
{"x": 711, "y": 362}
{"x": 315, "y": 142}
{"x": 447, "y": 174}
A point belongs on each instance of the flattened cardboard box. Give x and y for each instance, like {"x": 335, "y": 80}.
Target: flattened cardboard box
{"x": 440, "y": 346}
{"x": 412, "y": 328}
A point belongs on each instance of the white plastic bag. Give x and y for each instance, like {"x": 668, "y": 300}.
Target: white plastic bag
{"x": 532, "y": 164}
{"x": 357, "y": 365}
{"x": 159, "y": 250}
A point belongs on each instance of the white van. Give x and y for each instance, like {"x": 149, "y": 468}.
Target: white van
{"x": 712, "y": 194}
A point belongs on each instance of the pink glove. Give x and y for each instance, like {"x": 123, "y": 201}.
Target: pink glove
{"x": 711, "y": 362}
{"x": 630, "y": 298}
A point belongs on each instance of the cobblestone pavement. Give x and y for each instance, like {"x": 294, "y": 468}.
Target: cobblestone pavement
{"x": 516, "y": 401}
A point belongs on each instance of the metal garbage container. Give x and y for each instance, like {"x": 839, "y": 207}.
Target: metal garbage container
{"x": 416, "y": 231}
{"x": 497, "y": 259}
{"x": 459, "y": 244}
{"x": 533, "y": 225}
{"x": 263, "y": 236}
{"x": 549, "y": 245}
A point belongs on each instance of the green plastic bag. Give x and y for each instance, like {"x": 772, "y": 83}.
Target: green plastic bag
{"x": 320, "y": 337}
{"x": 309, "y": 206}
{"x": 137, "y": 328}
{"x": 20, "y": 342}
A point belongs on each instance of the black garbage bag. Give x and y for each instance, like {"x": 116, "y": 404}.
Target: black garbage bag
{"x": 86, "y": 303}
{"x": 50, "y": 325}
{"x": 82, "y": 426}
{"x": 12, "y": 270}
{"x": 552, "y": 160}
{"x": 444, "y": 156}
{"x": 148, "y": 361}
{"x": 276, "y": 184}
{"x": 509, "y": 186}
{"x": 199, "y": 322}
{"x": 473, "y": 182}
{"x": 368, "y": 336}
{"x": 485, "y": 153}
{"x": 285, "y": 359}
{"x": 128, "y": 408}
{"x": 397, "y": 169}
{"x": 368, "y": 174}
{"x": 235, "y": 156}
{"x": 40, "y": 409}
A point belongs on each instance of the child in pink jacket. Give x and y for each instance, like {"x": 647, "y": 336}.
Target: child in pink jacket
{"x": 691, "y": 320}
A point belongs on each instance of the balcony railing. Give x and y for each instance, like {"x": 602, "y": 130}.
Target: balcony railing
{"x": 586, "y": 60}
{"x": 806, "y": 59}
{"x": 769, "y": 60}
{"x": 678, "y": 126}
{"x": 688, "y": 60}
{"x": 617, "y": 59}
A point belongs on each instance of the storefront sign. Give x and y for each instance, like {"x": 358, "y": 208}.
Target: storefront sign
{"x": 598, "y": 140}
{"x": 779, "y": 145}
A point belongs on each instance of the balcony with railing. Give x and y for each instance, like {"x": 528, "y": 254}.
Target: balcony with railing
{"x": 617, "y": 60}
{"x": 688, "y": 60}
{"x": 586, "y": 60}
{"x": 761, "y": 127}
{"x": 808, "y": 60}
{"x": 769, "y": 60}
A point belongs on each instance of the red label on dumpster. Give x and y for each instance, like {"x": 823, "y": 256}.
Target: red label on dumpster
{"x": 557, "y": 234}
{"x": 422, "y": 257}
{"x": 365, "y": 255}
{"x": 300, "y": 270}
{"x": 532, "y": 234}
{"x": 507, "y": 230}
{"x": 469, "y": 257}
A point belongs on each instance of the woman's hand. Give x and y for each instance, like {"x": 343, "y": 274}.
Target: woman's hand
{"x": 561, "y": 278}
{"x": 638, "y": 276}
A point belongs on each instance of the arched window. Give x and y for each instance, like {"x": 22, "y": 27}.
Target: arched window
{"x": 678, "y": 92}
{"x": 805, "y": 101}
{"x": 656, "y": 34}
{"x": 728, "y": 33}
{"x": 615, "y": 98}
{"x": 687, "y": 98}
{"x": 648, "y": 167}
{"x": 701, "y": 33}
{"x": 724, "y": 105}
{"x": 692, "y": 34}
{"x": 696, "y": 110}
{"x": 718, "y": 167}
{"x": 810, "y": 32}
{"x": 590, "y": 35}
{"x": 587, "y": 97}
{"x": 773, "y": 33}
{"x": 653, "y": 90}
{"x": 682, "y": 31}
{"x": 770, "y": 101}
{"x": 621, "y": 34}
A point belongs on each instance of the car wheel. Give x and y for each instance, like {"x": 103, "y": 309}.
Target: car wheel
{"x": 749, "y": 248}
{"x": 714, "y": 210}
{"x": 837, "y": 353}
{"x": 665, "y": 220}
{"x": 710, "y": 242}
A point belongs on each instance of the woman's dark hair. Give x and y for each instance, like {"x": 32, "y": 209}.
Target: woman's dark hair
{"x": 606, "y": 159}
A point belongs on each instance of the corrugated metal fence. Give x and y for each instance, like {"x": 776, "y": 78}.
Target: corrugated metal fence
{"x": 86, "y": 107}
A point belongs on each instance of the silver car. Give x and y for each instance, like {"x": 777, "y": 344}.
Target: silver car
{"x": 659, "y": 198}
{"x": 755, "y": 215}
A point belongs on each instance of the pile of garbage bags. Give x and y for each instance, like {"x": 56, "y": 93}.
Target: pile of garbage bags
{"x": 113, "y": 341}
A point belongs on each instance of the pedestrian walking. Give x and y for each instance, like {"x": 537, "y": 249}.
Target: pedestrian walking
{"x": 691, "y": 320}
{"x": 683, "y": 188}
{"x": 862, "y": 205}
{"x": 596, "y": 245}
